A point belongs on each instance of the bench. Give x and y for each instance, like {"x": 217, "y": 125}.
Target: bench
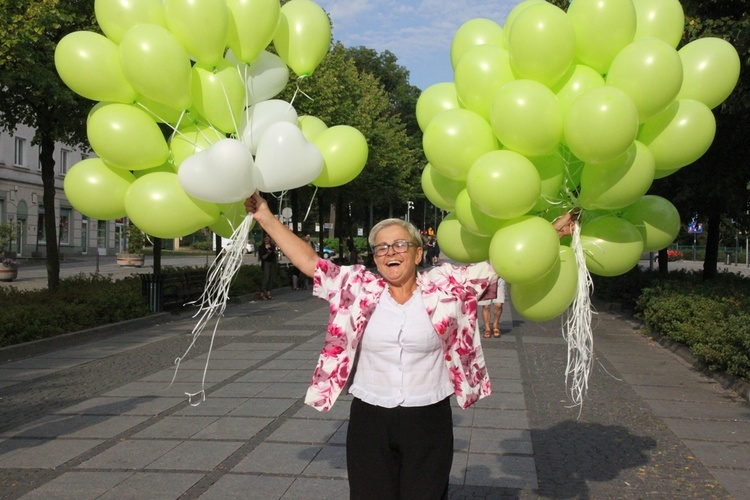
{"x": 173, "y": 289}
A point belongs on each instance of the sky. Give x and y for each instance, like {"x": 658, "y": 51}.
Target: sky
{"x": 418, "y": 32}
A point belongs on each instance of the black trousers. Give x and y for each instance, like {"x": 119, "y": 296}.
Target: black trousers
{"x": 399, "y": 453}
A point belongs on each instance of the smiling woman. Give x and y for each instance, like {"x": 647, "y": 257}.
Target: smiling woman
{"x": 417, "y": 345}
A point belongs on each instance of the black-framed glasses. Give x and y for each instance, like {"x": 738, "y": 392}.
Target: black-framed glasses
{"x": 399, "y": 246}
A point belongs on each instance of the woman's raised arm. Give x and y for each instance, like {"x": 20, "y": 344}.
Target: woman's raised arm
{"x": 299, "y": 252}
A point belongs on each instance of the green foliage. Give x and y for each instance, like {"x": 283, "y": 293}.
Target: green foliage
{"x": 201, "y": 245}
{"x": 136, "y": 240}
{"x": 709, "y": 317}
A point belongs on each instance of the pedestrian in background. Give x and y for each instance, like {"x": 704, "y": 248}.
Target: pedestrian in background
{"x": 267, "y": 256}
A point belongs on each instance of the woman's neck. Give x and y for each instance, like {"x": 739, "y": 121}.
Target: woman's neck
{"x": 402, "y": 293}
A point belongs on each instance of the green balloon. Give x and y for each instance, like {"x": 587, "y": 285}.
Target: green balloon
{"x": 158, "y": 206}
{"x": 711, "y": 70}
{"x": 439, "y": 189}
{"x": 252, "y": 24}
{"x": 619, "y": 182}
{"x": 524, "y": 249}
{"x": 480, "y": 73}
{"x": 663, "y": 19}
{"x": 89, "y": 64}
{"x": 527, "y": 118}
{"x": 649, "y": 71}
{"x": 679, "y": 135}
{"x": 550, "y": 296}
{"x": 657, "y": 220}
{"x": 475, "y": 32}
{"x": 230, "y": 218}
{"x": 116, "y": 18}
{"x": 96, "y": 189}
{"x": 503, "y": 184}
{"x": 311, "y": 126}
{"x": 602, "y": 30}
{"x": 126, "y": 137}
{"x": 303, "y": 36}
{"x": 612, "y": 246}
{"x": 454, "y": 139}
{"x": 541, "y": 43}
{"x": 201, "y": 27}
{"x": 601, "y": 124}
{"x": 551, "y": 169}
{"x": 459, "y": 244}
{"x": 219, "y": 95}
{"x": 513, "y": 14}
{"x": 156, "y": 65}
{"x": 474, "y": 220}
{"x": 576, "y": 81}
{"x": 344, "y": 151}
{"x": 192, "y": 139}
{"x": 437, "y": 98}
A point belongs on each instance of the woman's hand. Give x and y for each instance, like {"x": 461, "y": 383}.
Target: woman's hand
{"x": 565, "y": 223}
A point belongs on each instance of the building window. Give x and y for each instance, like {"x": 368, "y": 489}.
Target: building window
{"x": 65, "y": 156}
{"x": 41, "y": 236}
{"x": 64, "y": 230}
{"x": 20, "y": 157}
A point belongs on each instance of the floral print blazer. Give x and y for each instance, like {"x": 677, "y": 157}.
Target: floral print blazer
{"x": 450, "y": 295}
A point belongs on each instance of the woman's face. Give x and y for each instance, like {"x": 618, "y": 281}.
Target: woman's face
{"x": 267, "y": 240}
{"x": 397, "y": 268}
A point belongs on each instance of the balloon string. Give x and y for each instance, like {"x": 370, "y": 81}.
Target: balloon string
{"x": 213, "y": 301}
{"x": 577, "y": 329}
{"x": 309, "y": 207}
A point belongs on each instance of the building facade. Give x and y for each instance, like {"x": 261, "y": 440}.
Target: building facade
{"x": 21, "y": 204}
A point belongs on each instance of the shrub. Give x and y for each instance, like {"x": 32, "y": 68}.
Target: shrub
{"x": 83, "y": 301}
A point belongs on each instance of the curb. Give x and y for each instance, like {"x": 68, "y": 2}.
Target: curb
{"x": 72, "y": 339}
{"x": 729, "y": 382}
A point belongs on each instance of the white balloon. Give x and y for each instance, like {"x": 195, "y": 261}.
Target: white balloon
{"x": 266, "y": 77}
{"x": 285, "y": 159}
{"x": 260, "y": 116}
{"x": 223, "y": 173}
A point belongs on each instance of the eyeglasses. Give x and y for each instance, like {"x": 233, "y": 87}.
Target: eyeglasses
{"x": 399, "y": 246}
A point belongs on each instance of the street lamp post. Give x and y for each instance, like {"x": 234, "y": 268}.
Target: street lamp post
{"x": 409, "y": 207}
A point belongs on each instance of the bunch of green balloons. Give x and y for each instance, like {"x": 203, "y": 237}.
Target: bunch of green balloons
{"x": 201, "y": 68}
{"x": 559, "y": 111}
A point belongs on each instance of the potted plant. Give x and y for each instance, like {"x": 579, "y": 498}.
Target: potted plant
{"x": 7, "y": 232}
{"x": 8, "y": 269}
{"x": 133, "y": 257}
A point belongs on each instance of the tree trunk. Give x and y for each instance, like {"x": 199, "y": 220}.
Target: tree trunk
{"x": 663, "y": 261}
{"x": 710, "y": 269}
{"x": 47, "y": 160}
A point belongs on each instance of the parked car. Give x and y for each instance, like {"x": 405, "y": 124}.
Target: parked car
{"x": 250, "y": 247}
{"x": 327, "y": 252}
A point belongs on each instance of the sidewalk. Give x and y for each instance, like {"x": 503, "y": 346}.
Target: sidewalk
{"x": 99, "y": 421}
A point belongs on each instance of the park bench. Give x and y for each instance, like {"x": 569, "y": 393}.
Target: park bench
{"x": 171, "y": 290}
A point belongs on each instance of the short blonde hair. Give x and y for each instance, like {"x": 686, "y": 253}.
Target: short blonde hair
{"x": 416, "y": 238}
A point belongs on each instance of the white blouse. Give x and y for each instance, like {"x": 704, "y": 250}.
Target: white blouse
{"x": 400, "y": 362}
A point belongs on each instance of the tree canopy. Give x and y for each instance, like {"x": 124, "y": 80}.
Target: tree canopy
{"x": 34, "y": 95}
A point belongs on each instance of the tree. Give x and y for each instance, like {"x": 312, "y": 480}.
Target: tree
{"x": 34, "y": 95}
{"x": 715, "y": 185}
{"x": 342, "y": 95}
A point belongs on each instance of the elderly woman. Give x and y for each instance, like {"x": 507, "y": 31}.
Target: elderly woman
{"x": 402, "y": 343}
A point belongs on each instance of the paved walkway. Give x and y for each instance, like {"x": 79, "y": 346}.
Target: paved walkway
{"x": 97, "y": 419}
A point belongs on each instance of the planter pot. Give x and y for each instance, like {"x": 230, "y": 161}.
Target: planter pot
{"x": 8, "y": 274}
{"x": 130, "y": 260}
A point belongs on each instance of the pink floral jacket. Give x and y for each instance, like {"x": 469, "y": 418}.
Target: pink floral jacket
{"x": 450, "y": 295}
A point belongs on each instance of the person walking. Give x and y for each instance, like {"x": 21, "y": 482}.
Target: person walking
{"x": 267, "y": 256}
{"x": 492, "y": 309}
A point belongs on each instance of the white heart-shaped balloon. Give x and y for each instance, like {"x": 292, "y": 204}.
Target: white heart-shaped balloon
{"x": 260, "y": 116}
{"x": 285, "y": 159}
{"x": 223, "y": 173}
{"x": 266, "y": 77}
